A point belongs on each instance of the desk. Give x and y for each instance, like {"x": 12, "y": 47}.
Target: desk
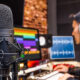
{"x": 49, "y": 66}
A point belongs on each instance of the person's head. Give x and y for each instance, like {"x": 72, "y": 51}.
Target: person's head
{"x": 75, "y": 26}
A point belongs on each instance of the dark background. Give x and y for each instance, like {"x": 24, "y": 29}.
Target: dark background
{"x": 17, "y": 7}
{"x": 64, "y": 23}
{"x": 64, "y": 9}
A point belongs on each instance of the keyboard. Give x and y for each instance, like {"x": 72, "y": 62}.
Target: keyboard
{"x": 35, "y": 68}
{"x": 44, "y": 75}
{"x": 23, "y": 72}
{"x": 47, "y": 75}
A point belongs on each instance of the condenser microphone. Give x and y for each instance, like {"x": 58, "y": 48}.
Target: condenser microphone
{"x": 8, "y": 50}
{"x": 6, "y": 23}
{"x": 6, "y": 28}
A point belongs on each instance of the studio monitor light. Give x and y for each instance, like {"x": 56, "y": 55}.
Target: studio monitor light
{"x": 45, "y": 40}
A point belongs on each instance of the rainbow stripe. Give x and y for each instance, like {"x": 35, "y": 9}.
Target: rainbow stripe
{"x": 20, "y": 30}
{"x": 32, "y": 52}
{"x": 27, "y": 37}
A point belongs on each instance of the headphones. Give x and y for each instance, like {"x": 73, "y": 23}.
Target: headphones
{"x": 79, "y": 27}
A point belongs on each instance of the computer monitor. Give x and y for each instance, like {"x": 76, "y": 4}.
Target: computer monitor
{"x": 62, "y": 48}
{"x": 29, "y": 39}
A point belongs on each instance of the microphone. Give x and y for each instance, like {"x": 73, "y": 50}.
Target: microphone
{"x": 9, "y": 50}
{"x": 7, "y": 46}
{"x": 6, "y": 30}
{"x": 6, "y": 27}
{"x": 6, "y": 37}
{"x": 6, "y": 23}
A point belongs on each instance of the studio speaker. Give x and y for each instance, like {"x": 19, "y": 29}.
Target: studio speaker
{"x": 45, "y": 40}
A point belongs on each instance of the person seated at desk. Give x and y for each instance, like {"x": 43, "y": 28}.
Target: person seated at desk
{"x": 62, "y": 68}
{"x": 70, "y": 73}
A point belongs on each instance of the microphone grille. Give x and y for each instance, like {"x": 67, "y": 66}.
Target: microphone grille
{"x": 6, "y": 17}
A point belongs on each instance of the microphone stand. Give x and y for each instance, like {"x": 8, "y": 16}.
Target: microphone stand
{"x": 13, "y": 63}
{"x": 4, "y": 65}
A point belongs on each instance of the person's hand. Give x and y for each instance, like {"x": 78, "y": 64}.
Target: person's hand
{"x": 66, "y": 76}
{"x": 61, "y": 68}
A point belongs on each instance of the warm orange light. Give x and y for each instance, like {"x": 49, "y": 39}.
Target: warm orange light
{"x": 35, "y": 15}
{"x": 21, "y": 65}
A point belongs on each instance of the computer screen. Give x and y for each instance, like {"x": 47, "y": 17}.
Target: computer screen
{"x": 29, "y": 40}
{"x": 62, "y": 47}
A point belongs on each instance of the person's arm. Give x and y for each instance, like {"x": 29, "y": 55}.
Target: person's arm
{"x": 74, "y": 71}
{"x": 70, "y": 78}
{"x": 67, "y": 76}
{"x": 61, "y": 68}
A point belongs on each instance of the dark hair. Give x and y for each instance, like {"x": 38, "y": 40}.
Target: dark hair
{"x": 75, "y": 17}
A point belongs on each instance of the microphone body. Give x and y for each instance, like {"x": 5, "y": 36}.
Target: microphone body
{"x": 6, "y": 23}
{"x": 7, "y": 46}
